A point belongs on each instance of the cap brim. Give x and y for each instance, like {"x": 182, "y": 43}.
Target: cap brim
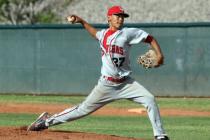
{"x": 124, "y": 14}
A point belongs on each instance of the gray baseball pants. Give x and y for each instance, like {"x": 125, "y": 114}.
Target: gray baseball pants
{"x": 105, "y": 92}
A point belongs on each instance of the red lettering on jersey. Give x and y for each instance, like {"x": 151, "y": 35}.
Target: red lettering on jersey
{"x": 121, "y": 51}
{"x": 117, "y": 49}
{"x": 113, "y": 49}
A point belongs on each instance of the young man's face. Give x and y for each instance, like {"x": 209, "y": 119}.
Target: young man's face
{"x": 116, "y": 21}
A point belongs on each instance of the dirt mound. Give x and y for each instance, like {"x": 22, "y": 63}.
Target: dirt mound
{"x": 21, "y": 133}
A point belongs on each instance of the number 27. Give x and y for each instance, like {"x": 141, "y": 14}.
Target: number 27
{"x": 118, "y": 61}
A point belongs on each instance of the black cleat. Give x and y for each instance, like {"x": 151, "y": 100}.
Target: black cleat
{"x": 161, "y": 138}
{"x": 39, "y": 123}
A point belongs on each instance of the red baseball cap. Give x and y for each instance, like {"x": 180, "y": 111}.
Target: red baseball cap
{"x": 115, "y": 10}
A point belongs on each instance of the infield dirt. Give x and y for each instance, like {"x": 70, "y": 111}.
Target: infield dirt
{"x": 106, "y": 111}
{"x": 20, "y": 133}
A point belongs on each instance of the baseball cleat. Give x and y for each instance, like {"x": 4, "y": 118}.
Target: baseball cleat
{"x": 39, "y": 123}
{"x": 161, "y": 138}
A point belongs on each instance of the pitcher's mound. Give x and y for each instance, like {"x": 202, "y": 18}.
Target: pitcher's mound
{"x": 20, "y": 133}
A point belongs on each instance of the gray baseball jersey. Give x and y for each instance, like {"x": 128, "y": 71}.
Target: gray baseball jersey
{"x": 115, "y": 60}
{"x": 115, "y": 81}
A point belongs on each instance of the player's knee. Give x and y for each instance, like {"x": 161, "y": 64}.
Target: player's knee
{"x": 150, "y": 100}
{"x": 83, "y": 111}
{"x": 150, "y": 97}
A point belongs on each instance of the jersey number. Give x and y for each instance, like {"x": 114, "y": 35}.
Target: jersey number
{"x": 118, "y": 61}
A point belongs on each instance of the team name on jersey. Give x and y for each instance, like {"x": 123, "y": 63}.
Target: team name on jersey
{"x": 115, "y": 49}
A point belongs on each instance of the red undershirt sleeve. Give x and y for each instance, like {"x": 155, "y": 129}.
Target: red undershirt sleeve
{"x": 148, "y": 39}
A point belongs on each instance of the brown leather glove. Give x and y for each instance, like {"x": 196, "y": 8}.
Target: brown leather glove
{"x": 148, "y": 59}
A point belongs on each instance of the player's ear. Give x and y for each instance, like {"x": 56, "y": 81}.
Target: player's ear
{"x": 108, "y": 19}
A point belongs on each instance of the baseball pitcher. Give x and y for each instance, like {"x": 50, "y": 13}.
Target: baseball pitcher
{"x": 115, "y": 81}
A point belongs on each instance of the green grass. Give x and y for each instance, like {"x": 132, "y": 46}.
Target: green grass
{"x": 178, "y": 128}
{"x": 199, "y": 104}
{"x": 187, "y": 128}
{"x": 41, "y": 99}
{"x": 12, "y": 119}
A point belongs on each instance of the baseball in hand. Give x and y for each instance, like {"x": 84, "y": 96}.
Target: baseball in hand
{"x": 71, "y": 19}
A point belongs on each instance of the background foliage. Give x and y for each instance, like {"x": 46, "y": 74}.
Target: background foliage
{"x": 31, "y": 11}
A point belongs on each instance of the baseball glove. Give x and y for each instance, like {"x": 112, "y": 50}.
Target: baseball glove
{"x": 148, "y": 59}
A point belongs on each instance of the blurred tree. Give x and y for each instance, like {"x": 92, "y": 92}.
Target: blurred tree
{"x": 30, "y": 11}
